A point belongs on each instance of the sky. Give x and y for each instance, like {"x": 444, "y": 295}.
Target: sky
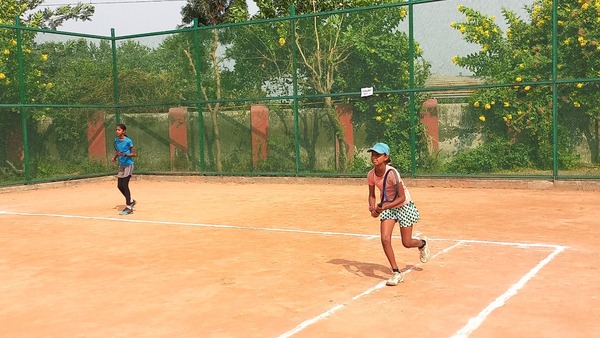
{"x": 438, "y": 40}
{"x": 128, "y": 17}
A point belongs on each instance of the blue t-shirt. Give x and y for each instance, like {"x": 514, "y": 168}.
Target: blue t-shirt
{"x": 124, "y": 146}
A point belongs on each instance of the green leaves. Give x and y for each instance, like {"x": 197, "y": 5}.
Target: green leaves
{"x": 522, "y": 56}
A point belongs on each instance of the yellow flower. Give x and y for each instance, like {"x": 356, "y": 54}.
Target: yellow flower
{"x": 527, "y": 88}
{"x": 462, "y": 29}
{"x": 576, "y": 104}
{"x": 460, "y": 7}
{"x": 13, "y": 42}
{"x": 44, "y": 57}
{"x": 488, "y": 106}
{"x": 585, "y": 6}
{"x": 281, "y": 41}
{"x": 518, "y": 79}
{"x": 379, "y": 110}
{"x": 2, "y": 76}
{"x": 506, "y": 104}
{"x": 453, "y": 24}
{"x": 579, "y": 85}
{"x": 455, "y": 59}
{"x": 6, "y": 52}
{"x": 505, "y": 118}
{"x": 378, "y": 118}
{"x": 509, "y": 116}
{"x": 476, "y": 104}
{"x": 482, "y": 118}
{"x": 49, "y": 85}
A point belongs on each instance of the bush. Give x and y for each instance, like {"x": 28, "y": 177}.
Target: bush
{"x": 497, "y": 155}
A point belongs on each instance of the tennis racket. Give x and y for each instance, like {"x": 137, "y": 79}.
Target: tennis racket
{"x": 391, "y": 186}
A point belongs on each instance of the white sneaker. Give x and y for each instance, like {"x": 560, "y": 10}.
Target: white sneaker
{"x": 424, "y": 252}
{"x": 395, "y": 279}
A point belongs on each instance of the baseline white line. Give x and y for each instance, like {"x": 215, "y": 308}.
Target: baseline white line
{"x": 225, "y": 226}
{"x": 475, "y": 322}
{"x": 338, "y": 307}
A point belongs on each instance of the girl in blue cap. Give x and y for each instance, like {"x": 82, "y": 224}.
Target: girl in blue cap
{"x": 399, "y": 208}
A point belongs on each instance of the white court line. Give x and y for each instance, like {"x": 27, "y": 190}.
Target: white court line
{"x": 334, "y": 309}
{"x": 225, "y": 226}
{"x": 473, "y": 323}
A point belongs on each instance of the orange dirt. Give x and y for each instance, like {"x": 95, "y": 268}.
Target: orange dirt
{"x": 219, "y": 257}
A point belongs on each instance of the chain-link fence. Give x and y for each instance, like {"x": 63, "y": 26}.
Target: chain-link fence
{"x": 470, "y": 88}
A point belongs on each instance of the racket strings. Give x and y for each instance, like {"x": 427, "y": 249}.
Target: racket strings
{"x": 390, "y": 188}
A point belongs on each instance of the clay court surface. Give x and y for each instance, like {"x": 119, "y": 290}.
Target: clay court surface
{"x": 267, "y": 257}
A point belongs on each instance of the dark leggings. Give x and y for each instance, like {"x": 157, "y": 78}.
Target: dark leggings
{"x": 123, "y": 185}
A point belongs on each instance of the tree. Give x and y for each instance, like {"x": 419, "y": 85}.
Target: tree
{"x": 521, "y": 56}
{"x": 38, "y": 84}
{"x": 211, "y": 13}
{"x": 336, "y": 53}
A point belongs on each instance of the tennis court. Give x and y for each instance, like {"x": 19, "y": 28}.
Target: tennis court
{"x": 283, "y": 257}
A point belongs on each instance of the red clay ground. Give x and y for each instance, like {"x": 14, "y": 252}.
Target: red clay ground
{"x": 291, "y": 257}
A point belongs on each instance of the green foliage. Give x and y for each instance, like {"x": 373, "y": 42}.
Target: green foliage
{"x": 335, "y": 53}
{"x": 360, "y": 164}
{"x": 280, "y": 156}
{"x": 520, "y": 57}
{"x": 496, "y": 155}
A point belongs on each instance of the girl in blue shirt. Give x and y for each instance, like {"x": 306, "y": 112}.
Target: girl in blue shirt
{"x": 125, "y": 154}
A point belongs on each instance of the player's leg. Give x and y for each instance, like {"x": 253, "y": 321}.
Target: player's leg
{"x": 128, "y": 172}
{"x": 125, "y": 189}
{"x": 407, "y": 240}
{"x": 120, "y": 183}
{"x": 387, "y": 228}
{"x": 408, "y": 215}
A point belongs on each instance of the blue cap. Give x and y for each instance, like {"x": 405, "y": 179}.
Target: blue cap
{"x": 380, "y": 148}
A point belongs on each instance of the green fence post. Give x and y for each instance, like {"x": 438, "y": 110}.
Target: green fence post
{"x": 199, "y": 95}
{"x": 115, "y": 75}
{"x": 295, "y": 87}
{"x": 554, "y": 90}
{"x": 411, "y": 94}
{"x": 23, "y": 101}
